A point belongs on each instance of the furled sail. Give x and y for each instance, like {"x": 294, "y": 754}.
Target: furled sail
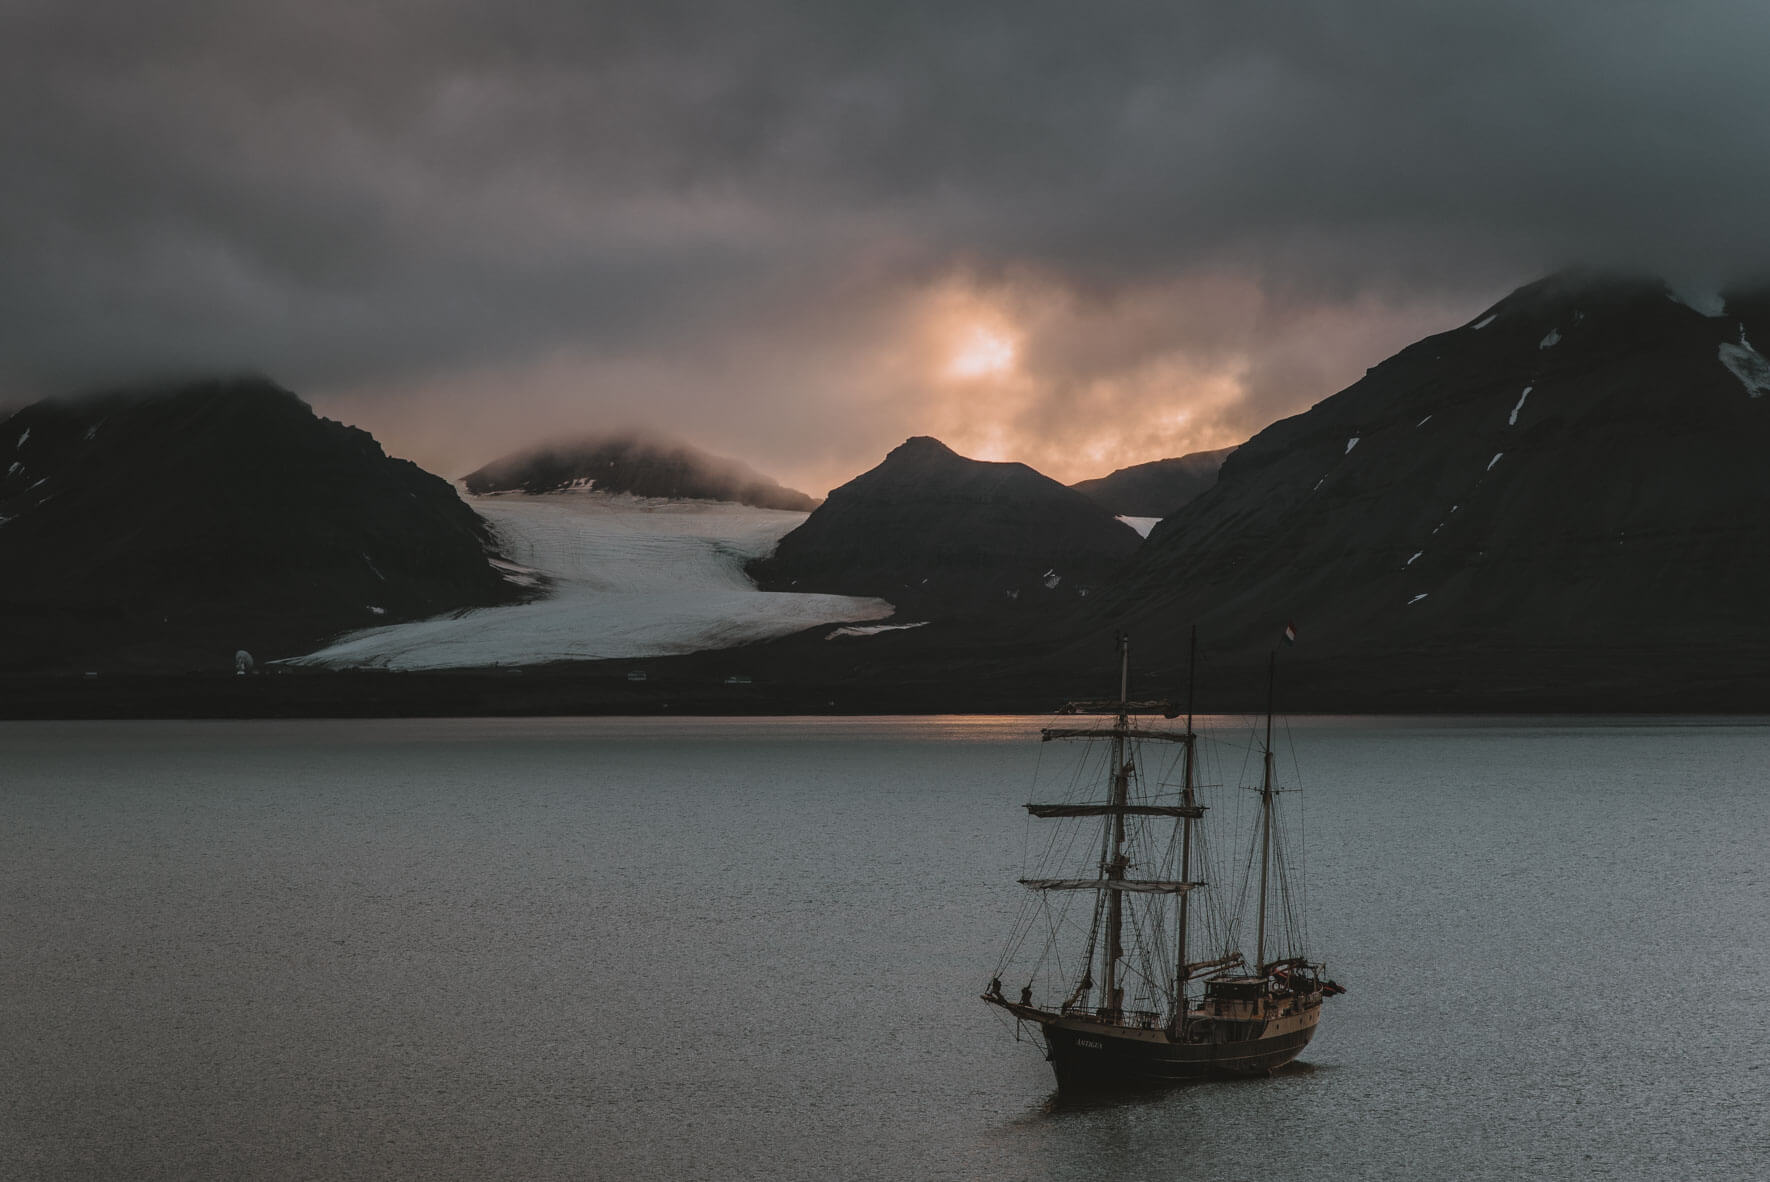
{"x": 1109, "y": 732}
{"x": 1115, "y": 810}
{"x": 1141, "y": 886}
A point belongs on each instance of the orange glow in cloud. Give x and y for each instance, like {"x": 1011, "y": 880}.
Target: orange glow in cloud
{"x": 1020, "y": 367}
{"x": 985, "y": 352}
{"x": 1025, "y": 370}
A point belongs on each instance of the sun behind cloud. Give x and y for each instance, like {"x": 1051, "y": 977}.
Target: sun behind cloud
{"x": 983, "y": 352}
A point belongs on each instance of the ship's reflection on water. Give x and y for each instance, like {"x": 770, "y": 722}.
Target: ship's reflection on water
{"x": 1071, "y": 1102}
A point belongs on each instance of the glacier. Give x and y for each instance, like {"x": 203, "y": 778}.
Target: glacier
{"x": 626, "y": 577}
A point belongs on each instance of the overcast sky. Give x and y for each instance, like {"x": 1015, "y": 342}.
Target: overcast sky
{"x": 1081, "y": 235}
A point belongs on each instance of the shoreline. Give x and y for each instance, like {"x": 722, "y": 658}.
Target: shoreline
{"x": 687, "y": 686}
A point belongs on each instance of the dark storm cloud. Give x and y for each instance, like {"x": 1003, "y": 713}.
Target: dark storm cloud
{"x": 343, "y": 194}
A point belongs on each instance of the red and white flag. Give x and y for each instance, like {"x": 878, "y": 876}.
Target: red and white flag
{"x": 1290, "y": 634}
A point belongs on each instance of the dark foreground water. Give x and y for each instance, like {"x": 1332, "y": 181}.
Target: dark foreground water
{"x": 751, "y": 949}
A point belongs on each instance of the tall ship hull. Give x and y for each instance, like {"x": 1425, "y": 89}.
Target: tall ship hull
{"x": 1223, "y": 1016}
{"x": 1089, "y": 1053}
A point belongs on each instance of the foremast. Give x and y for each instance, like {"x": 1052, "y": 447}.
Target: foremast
{"x": 1112, "y": 882}
{"x": 1114, "y": 866}
{"x": 1190, "y": 813}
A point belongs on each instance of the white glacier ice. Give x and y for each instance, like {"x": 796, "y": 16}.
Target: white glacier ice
{"x": 1416, "y": 556}
{"x": 630, "y": 577}
{"x": 1418, "y": 597}
{"x": 21, "y": 439}
{"x": 1490, "y": 464}
{"x": 1350, "y": 444}
{"x": 1422, "y": 422}
{"x": 1550, "y": 341}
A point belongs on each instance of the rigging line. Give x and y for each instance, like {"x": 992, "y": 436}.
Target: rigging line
{"x": 1287, "y": 895}
{"x": 1054, "y": 951}
{"x": 1034, "y": 908}
{"x": 1245, "y": 883}
{"x": 1302, "y": 831}
{"x": 1145, "y": 945}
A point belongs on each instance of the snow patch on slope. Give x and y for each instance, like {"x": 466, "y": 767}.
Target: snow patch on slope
{"x": 1141, "y": 524}
{"x": 630, "y": 577}
{"x": 1550, "y": 341}
{"x": 1746, "y": 364}
{"x": 1485, "y": 321}
{"x": 872, "y": 629}
{"x": 1512, "y": 420}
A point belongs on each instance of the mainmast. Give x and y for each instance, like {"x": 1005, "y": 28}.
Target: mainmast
{"x": 1266, "y": 791}
{"x": 1114, "y": 868}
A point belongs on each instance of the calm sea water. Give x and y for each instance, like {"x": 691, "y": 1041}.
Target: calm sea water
{"x": 752, "y": 949}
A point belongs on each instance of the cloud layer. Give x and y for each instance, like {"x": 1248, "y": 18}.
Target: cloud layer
{"x": 772, "y": 226}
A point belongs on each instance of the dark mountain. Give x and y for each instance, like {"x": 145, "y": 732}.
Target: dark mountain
{"x": 934, "y": 532}
{"x": 1157, "y": 488}
{"x": 637, "y": 464}
{"x": 1566, "y": 500}
{"x": 168, "y": 528}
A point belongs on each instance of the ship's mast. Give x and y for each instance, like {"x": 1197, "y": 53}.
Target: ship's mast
{"x": 1266, "y": 791}
{"x": 1115, "y": 865}
{"x": 1189, "y": 803}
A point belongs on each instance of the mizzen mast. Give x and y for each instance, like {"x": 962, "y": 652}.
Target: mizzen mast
{"x": 1266, "y": 792}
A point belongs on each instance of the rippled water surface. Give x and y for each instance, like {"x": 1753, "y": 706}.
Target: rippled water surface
{"x": 752, "y": 949}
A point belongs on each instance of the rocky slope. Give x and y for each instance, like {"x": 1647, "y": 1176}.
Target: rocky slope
{"x": 936, "y": 533}
{"x": 1155, "y": 489}
{"x": 169, "y": 528}
{"x": 1569, "y": 491}
{"x": 641, "y": 465}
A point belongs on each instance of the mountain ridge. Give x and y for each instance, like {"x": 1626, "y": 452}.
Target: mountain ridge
{"x": 637, "y": 463}
{"x": 1578, "y": 467}
{"x": 168, "y": 526}
{"x": 932, "y": 531}
{"x": 1156, "y": 488}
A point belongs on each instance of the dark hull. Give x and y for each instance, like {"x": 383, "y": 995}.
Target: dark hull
{"x": 1102, "y": 1056}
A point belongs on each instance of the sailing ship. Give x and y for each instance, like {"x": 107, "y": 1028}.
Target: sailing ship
{"x": 1134, "y": 1006}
